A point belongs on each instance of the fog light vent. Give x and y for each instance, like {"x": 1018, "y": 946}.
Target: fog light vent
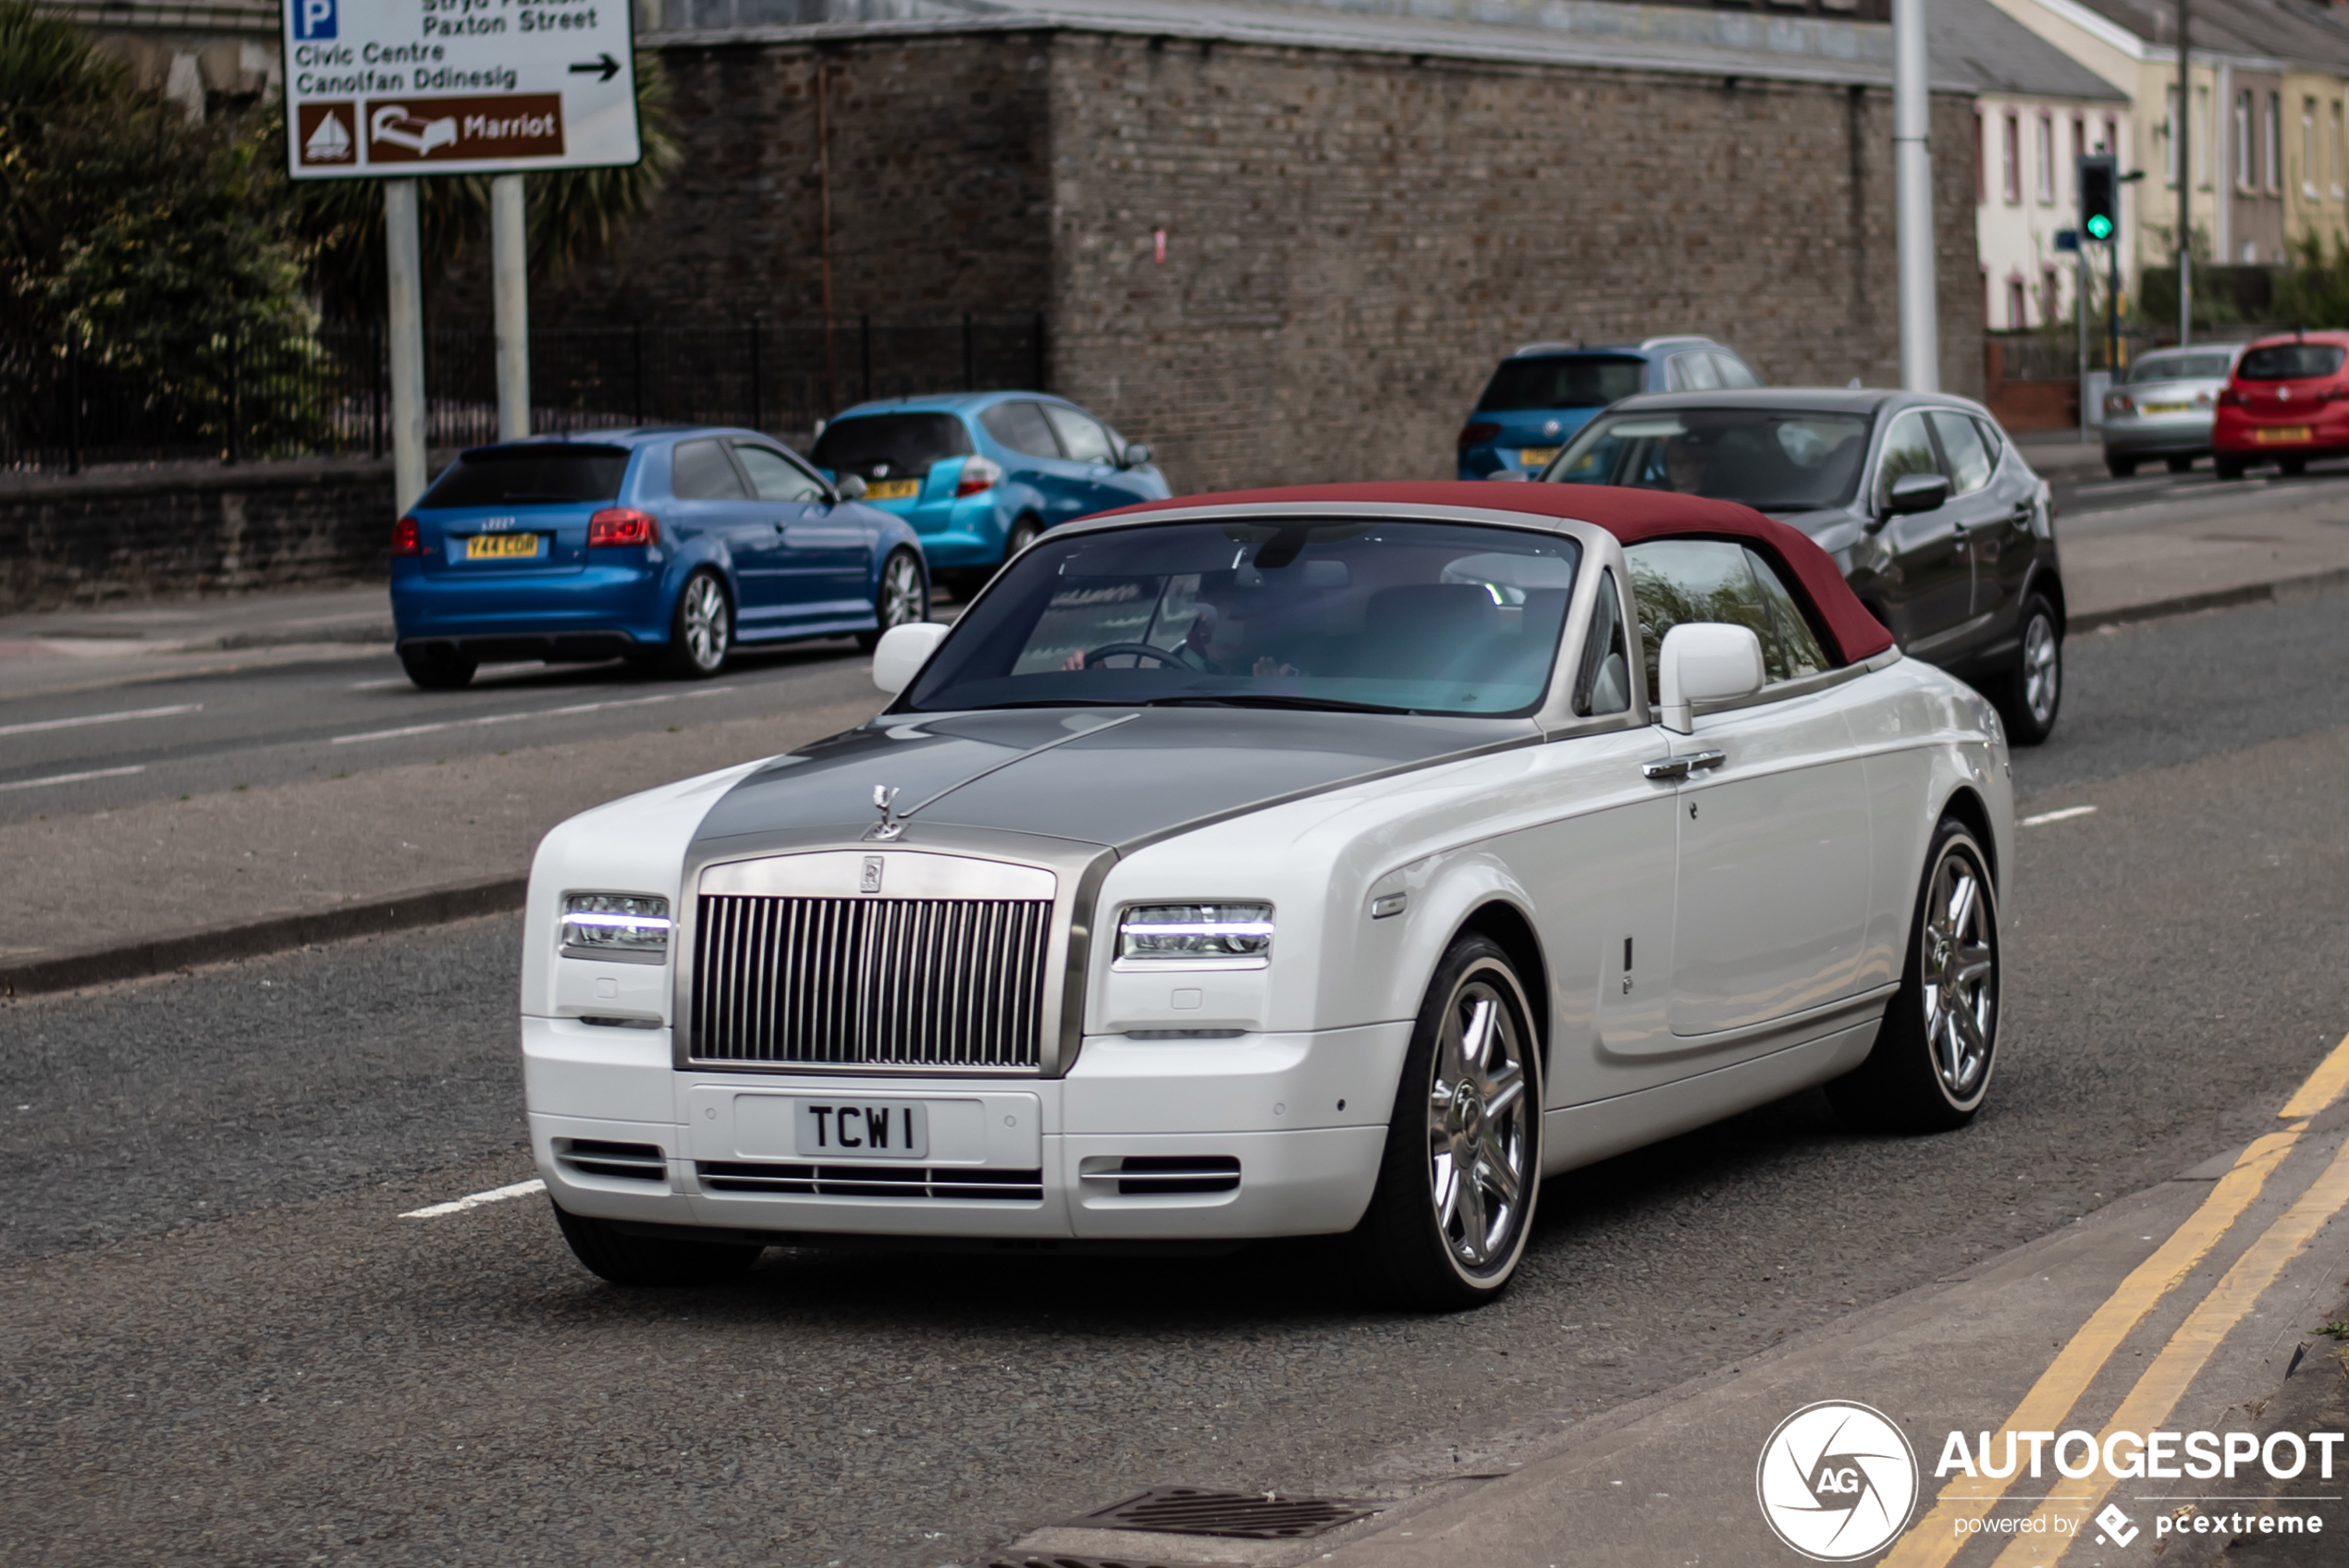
{"x": 629, "y": 1162}
{"x": 1144, "y": 1173}
{"x": 1248, "y": 1516}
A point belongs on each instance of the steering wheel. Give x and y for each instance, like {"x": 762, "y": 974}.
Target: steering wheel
{"x": 1138, "y": 650}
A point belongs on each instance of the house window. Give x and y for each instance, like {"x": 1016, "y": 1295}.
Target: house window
{"x": 2112, "y": 138}
{"x": 2307, "y": 146}
{"x": 2245, "y": 173}
{"x": 2011, "y": 162}
{"x": 2018, "y": 304}
{"x": 2046, "y": 160}
{"x": 2169, "y": 138}
{"x": 2050, "y": 295}
{"x": 2272, "y": 144}
{"x": 1981, "y": 171}
{"x": 2202, "y": 137}
{"x": 2332, "y": 151}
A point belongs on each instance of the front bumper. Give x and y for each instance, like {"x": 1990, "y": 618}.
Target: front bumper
{"x": 1301, "y": 1116}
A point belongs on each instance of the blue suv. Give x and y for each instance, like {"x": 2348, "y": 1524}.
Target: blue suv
{"x": 980, "y": 474}
{"x": 1542, "y": 395}
{"x": 665, "y": 548}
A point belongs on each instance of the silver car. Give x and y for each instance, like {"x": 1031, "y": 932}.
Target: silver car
{"x": 2163, "y": 408}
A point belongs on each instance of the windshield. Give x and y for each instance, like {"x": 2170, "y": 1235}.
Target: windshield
{"x": 539, "y": 473}
{"x": 1372, "y": 615}
{"x": 2291, "y": 362}
{"x": 886, "y": 446}
{"x": 2178, "y": 367}
{"x": 1561, "y": 381}
{"x": 1772, "y": 459}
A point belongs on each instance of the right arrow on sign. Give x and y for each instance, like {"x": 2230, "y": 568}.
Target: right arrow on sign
{"x": 605, "y": 67}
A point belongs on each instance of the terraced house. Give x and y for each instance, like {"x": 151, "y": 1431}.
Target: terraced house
{"x": 2268, "y": 151}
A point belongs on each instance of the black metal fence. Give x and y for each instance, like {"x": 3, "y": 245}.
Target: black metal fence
{"x": 67, "y": 407}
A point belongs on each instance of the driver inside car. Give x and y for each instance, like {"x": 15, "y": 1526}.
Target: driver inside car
{"x": 1217, "y": 640}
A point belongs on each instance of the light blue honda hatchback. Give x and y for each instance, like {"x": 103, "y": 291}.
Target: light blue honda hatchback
{"x": 980, "y": 474}
{"x": 665, "y": 548}
{"x": 1546, "y": 392}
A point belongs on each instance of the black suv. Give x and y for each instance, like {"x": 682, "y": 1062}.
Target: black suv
{"x": 1939, "y": 525}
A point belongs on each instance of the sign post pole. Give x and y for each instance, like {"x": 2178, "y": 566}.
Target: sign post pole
{"x": 404, "y": 266}
{"x": 393, "y": 91}
{"x": 510, "y": 270}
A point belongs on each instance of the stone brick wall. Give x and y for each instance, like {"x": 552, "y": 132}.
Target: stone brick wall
{"x": 172, "y": 530}
{"x": 1353, "y": 239}
{"x": 1353, "y": 242}
{"x": 939, "y": 198}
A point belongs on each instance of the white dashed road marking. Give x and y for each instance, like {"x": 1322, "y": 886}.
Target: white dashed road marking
{"x": 73, "y": 778}
{"x": 2065, "y": 815}
{"x": 543, "y": 713}
{"x": 474, "y": 1200}
{"x": 98, "y": 718}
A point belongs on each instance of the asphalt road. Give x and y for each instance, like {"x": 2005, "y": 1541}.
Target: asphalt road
{"x": 224, "y": 1346}
{"x": 119, "y": 744}
{"x": 2099, "y": 503}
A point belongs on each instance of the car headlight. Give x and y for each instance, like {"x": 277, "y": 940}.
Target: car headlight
{"x": 628, "y": 927}
{"x": 1194, "y": 933}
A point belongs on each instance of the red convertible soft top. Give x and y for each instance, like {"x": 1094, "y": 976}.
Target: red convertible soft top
{"x": 1631, "y": 515}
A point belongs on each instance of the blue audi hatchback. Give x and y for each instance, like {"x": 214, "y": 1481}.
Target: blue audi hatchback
{"x": 980, "y": 474}
{"x": 666, "y": 547}
{"x": 1544, "y": 392}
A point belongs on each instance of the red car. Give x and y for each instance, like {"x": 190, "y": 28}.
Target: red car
{"x": 2287, "y": 402}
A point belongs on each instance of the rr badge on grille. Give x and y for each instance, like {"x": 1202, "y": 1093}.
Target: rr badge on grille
{"x": 868, "y": 881}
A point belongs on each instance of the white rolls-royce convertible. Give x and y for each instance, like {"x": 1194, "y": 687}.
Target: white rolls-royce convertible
{"x": 1337, "y": 861}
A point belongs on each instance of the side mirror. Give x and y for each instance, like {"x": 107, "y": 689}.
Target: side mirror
{"x": 902, "y": 650}
{"x": 1137, "y": 454}
{"x": 1705, "y": 661}
{"x": 850, "y": 487}
{"x": 1917, "y": 493}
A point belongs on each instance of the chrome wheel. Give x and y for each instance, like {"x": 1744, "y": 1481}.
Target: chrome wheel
{"x": 2041, "y": 670}
{"x": 705, "y": 623}
{"x": 1479, "y": 1150}
{"x": 1958, "y": 965}
{"x": 902, "y": 601}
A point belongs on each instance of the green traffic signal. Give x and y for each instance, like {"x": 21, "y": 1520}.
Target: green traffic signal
{"x": 2099, "y": 227}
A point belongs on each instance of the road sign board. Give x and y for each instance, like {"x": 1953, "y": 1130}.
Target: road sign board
{"x": 392, "y": 88}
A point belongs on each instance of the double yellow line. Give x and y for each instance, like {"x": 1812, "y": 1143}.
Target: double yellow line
{"x": 1936, "y": 1539}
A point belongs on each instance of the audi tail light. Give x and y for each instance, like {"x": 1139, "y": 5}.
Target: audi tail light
{"x": 1471, "y": 434}
{"x": 406, "y": 540}
{"x": 2118, "y": 403}
{"x": 622, "y": 525}
{"x": 979, "y": 474}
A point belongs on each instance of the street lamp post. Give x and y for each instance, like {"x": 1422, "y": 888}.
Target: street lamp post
{"x": 1913, "y": 198}
{"x": 2185, "y": 183}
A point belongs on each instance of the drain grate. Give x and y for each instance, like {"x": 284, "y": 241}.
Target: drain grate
{"x": 1062, "y": 1560}
{"x": 1248, "y": 1516}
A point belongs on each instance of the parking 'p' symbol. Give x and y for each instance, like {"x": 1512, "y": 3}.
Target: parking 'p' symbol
{"x": 314, "y": 18}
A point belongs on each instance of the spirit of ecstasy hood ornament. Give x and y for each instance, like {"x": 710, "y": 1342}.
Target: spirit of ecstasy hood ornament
{"x": 892, "y": 825}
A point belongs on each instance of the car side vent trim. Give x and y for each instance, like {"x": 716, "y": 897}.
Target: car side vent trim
{"x": 1139, "y": 1174}
{"x": 950, "y": 1184}
{"x": 1248, "y": 1516}
{"x": 629, "y": 1162}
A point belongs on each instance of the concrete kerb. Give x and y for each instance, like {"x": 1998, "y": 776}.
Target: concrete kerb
{"x": 2217, "y": 599}
{"x": 214, "y": 943}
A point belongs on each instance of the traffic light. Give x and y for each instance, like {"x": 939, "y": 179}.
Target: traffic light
{"x": 2099, "y": 196}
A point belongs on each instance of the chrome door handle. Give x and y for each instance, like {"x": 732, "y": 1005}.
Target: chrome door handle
{"x": 1681, "y": 766}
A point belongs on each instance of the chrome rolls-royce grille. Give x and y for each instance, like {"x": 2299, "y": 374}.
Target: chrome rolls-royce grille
{"x": 833, "y": 982}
